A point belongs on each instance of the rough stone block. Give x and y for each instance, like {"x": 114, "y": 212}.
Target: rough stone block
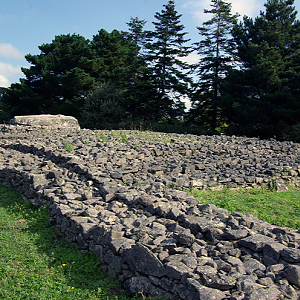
{"x": 52, "y": 121}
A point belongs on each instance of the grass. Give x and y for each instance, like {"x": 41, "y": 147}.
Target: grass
{"x": 68, "y": 147}
{"x": 103, "y": 138}
{"x": 35, "y": 264}
{"x": 278, "y": 208}
{"x": 153, "y": 137}
{"x": 123, "y": 137}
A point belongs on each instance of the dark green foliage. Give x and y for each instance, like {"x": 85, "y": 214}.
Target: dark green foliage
{"x": 114, "y": 56}
{"x": 216, "y": 51}
{"x": 61, "y": 74}
{"x": 263, "y": 97}
{"x": 103, "y": 108}
{"x": 166, "y": 48}
{"x": 140, "y": 94}
{"x": 58, "y": 79}
{"x": 4, "y": 116}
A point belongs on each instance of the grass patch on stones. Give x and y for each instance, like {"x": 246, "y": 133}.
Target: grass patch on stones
{"x": 35, "y": 264}
{"x": 68, "y": 147}
{"x": 278, "y": 208}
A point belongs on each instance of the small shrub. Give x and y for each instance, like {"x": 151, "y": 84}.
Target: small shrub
{"x": 68, "y": 147}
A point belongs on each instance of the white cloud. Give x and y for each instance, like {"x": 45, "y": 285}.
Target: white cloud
{"x": 8, "y": 50}
{"x": 4, "y": 82}
{"x": 250, "y": 8}
{"x": 7, "y": 71}
{"x": 192, "y": 58}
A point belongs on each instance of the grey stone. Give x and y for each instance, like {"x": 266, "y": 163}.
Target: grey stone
{"x": 52, "y": 121}
{"x": 185, "y": 238}
{"x": 219, "y": 281}
{"x": 291, "y": 255}
{"x": 292, "y": 274}
{"x": 139, "y": 284}
{"x": 256, "y": 242}
{"x": 251, "y": 265}
{"x": 273, "y": 250}
{"x": 178, "y": 239}
{"x": 176, "y": 269}
{"x": 120, "y": 244}
{"x": 141, "y": 259}
{"x": 264, "y": 293}
{"x": 195, "y": 291}
{"x": 234, "y": 234}
{"x": 113, "y": 261}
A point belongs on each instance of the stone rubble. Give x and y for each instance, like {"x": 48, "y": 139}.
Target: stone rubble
{"x": 124, "y": 200}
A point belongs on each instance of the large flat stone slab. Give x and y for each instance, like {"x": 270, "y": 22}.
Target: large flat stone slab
{"x": 52, "y": 121}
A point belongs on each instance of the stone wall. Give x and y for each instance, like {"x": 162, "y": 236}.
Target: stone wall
{"x": 120, "y": 199}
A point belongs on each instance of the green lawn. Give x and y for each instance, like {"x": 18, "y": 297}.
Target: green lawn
{"x": 278, "y": 208}
{"x": 35, "y": 264}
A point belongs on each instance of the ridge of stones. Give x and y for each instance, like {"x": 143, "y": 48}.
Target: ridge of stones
{"x": 121, "y": 200}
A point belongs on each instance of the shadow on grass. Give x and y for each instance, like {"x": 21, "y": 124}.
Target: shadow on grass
{"x": 72, "y": 268}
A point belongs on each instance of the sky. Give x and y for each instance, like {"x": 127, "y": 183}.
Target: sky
{"x": 27, "y": 24}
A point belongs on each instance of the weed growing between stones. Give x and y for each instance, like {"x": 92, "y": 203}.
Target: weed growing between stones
{"x": 68, "y": 147}
{"x": 103, "y": 138}
{"x": 123, "y": 137}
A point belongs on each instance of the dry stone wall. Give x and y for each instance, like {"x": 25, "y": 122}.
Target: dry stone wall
{"x": 120, "y": 198}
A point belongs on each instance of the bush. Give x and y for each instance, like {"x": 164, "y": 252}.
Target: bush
{"x": 103, "y": 108}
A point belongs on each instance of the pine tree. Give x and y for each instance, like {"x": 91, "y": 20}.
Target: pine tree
{"x": 136, "y": 34}
{"x": 263, "y": 94}
{"x": 58, "y": 79}
{"x": 140, "y": 89}
{"x": 166, "y": 49}
{"x": 114, "y": 56}
{"x": 216, "y": 56}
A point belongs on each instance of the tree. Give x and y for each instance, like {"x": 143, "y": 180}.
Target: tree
{"x": 263, "y": 99}
{"x": 216, "y": 51}
{"x": 115, "y": 56}
{"x": 139, "y": 87}
{"x": 62, "y": 74}
{"x": 137, "y": 35}
{"x": 57, "y": 80}
{"x": 68, "y": 69}
{"x": 103, "y": 108}
{"x": 166, "y": 48}
{"x": 4, "y": 115}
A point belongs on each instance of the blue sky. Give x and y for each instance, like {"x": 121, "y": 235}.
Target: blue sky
{"x": 27, "y": 24}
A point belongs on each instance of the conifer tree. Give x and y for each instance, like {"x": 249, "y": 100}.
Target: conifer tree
{"x": 114, "y": 56}
{"x": 58, "y": 79}
{"x": 166, "y": 47}
{"x": 140, "y": 88}
{"x": 216, "y": 49}
{"x": 264, "y": 99}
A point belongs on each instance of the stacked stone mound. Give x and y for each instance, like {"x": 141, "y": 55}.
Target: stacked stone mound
{"x": 118, "y": 199}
